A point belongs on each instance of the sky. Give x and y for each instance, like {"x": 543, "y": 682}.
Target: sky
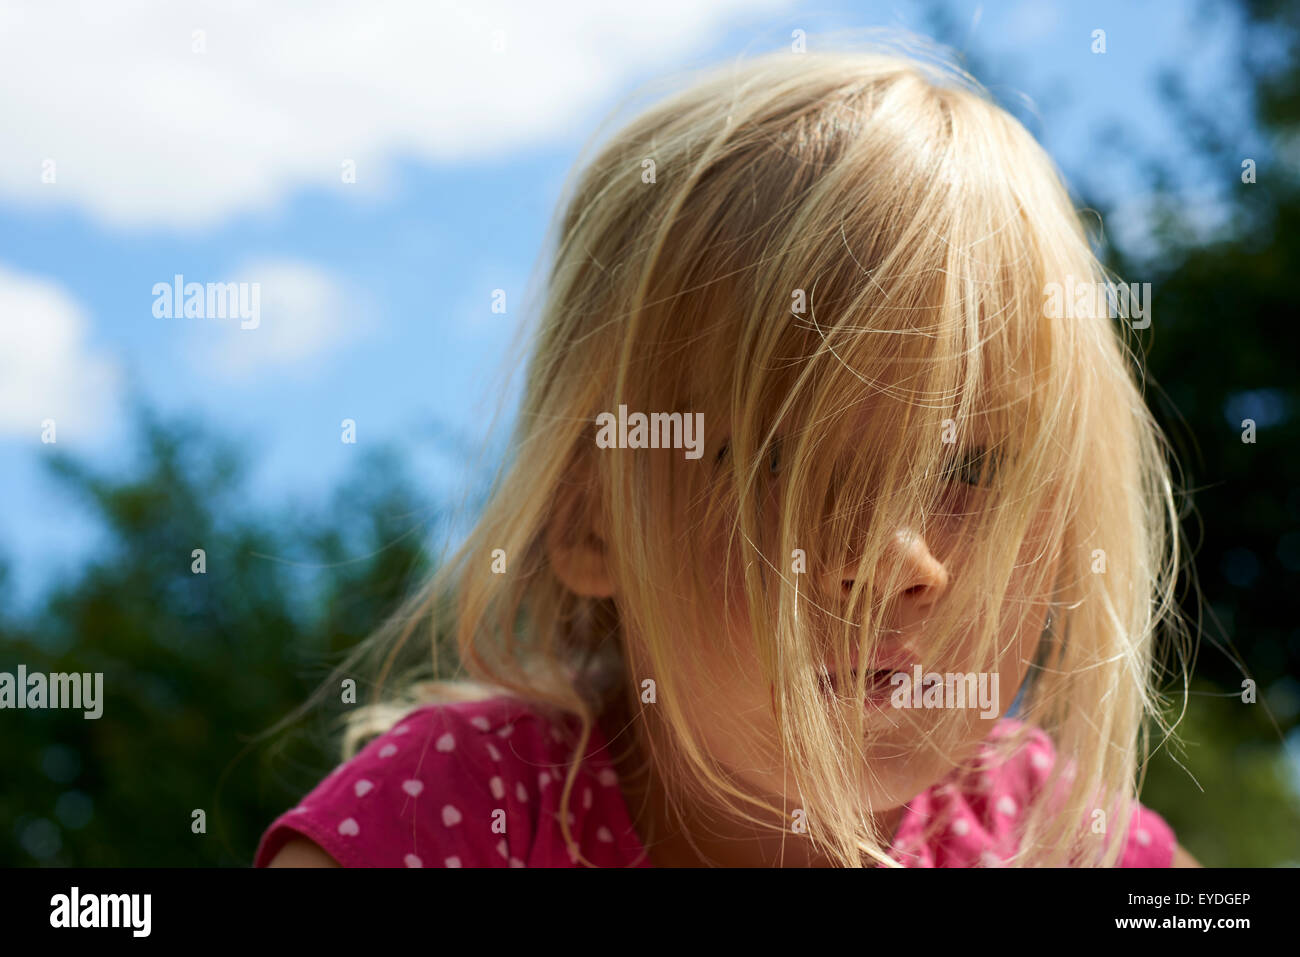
{"x": 380, "y": 170}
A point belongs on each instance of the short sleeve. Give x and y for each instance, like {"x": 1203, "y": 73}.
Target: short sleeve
{"x": 1150, "y": 841}
{"x": 444, "y": 787}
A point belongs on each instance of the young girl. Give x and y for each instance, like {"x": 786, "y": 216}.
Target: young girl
{"x": 835, "y": 530}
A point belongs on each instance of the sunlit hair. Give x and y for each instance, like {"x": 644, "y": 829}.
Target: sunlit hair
{"x": 841, "y": 259}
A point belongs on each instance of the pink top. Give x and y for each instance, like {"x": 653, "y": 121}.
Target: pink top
{"x": 478, "y": 784}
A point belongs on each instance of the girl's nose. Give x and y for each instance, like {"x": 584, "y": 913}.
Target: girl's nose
{"x": 922, "y": 578}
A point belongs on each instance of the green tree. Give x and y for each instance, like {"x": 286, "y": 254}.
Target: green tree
{"x": 195, "y": 665}
{"x": 1221, "y": 354}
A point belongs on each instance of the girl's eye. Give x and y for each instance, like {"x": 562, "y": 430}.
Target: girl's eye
{"x": 977, "y": 467}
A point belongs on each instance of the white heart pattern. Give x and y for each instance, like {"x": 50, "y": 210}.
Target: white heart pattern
{"x": 450, "y": 816}
{"x": 412, "y": 861}
{"x": 363, "y": 787}
{"x": 446, "y": 743}
{"x": 413, "y": 787}
{"x": 349, "y": 827}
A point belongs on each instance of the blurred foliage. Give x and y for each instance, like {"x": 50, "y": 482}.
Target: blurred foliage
{"x": 1221, "y": 350}
{"x": 196, "y": 665}
{"x": 1226, "y": 788}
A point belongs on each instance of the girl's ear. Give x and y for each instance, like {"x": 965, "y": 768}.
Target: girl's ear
{"x": 575, "y": 542}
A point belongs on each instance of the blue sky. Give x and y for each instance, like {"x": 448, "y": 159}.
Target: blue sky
{"x": 218, "y": 155}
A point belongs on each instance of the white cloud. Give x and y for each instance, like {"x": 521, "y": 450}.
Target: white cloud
{"x": 48, "y": 370}
{"x": 301, "y": 316}
{"x": 145, "y": 131}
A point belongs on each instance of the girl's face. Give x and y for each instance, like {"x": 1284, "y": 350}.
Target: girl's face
{"x": 733, "y": 704}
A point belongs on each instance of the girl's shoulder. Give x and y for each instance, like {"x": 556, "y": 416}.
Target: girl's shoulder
{"x": 970, "y": 819}
{"x": 466, "y": 784}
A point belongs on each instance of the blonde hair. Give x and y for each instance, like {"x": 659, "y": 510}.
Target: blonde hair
{"x": 790, "y": 242}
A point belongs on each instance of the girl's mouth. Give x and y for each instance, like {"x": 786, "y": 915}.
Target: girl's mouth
{"x": 878, "y": 684}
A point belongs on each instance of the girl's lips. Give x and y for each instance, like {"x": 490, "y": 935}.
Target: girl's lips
{"x": 889, "y": 661}
{"x": 878, "y": 684}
